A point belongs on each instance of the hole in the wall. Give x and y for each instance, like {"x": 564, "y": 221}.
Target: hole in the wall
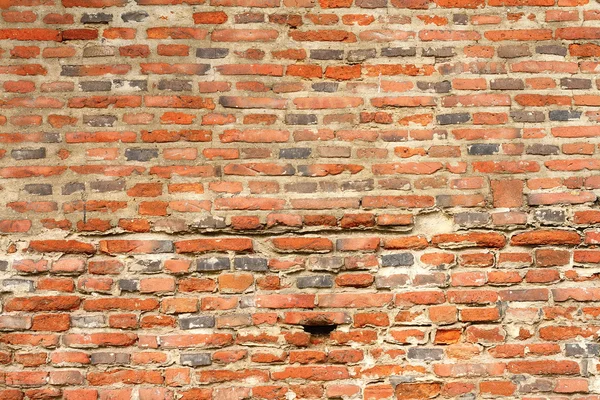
{"x": 319, "y": 330}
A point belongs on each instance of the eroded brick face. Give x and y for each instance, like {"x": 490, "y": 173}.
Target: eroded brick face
{"x": 299, "y": 199}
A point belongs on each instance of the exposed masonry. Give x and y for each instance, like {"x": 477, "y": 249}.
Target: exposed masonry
{"x": 299, "y": 199}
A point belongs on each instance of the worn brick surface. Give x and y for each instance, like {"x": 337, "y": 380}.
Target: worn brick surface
{"x": 299, "y": 199}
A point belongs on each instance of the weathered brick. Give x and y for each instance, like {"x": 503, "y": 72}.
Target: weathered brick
{"x": 397, "y": 260}
{"x": 134, "y": 16}
{"x": 96, "y": 18}
{"x": 28, "y": 154}
{"x": 320, "y": 281}
{"x": 398, "y": 52}
{"x": 300, "y": 119}
{"x": 563, "y": 115}
{"x": 327, "y": 87}
{"x": 324, "y": 54}
{"x": 250, "y": 264}
{"x": 452, "y": 119}
{"x": 213, "y": 264}
{"x": 483, "y": 149}
{"x": 196, "y": 359}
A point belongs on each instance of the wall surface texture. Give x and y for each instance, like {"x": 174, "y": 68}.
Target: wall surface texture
{"x": 299, "y": 199}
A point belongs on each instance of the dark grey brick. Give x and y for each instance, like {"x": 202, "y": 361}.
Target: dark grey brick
{"x": 195, "y": 359}
{"x": 321, "y": 281}
{"x": 441, "y": 52}
{"x": 97, "y": 18}
{"x": 73, "y": 187}
{"x": 551, "y": 49}
{"x": 28, "y": 154}
{"x": 175, "y": 85}
{"x": 549, "y": 216}
{"x": 564, "y": 115}
{"x": 483, "y": 149}
{"x": 50, "y": 137}
{"x": 96, "y": 86}
{"x": 70, "y": 70}
{"x": 575, "y": 350}
{"x": 593, "y": 349}
{"x": 513, "y": 51}
{"x": 507, "y": 84}
{"x": 328, "y": 186}
{"x": 575, "y": 83}
{"x": 109, "y": 358}
{"x": 326, "y": 87}
{"x": 535, "y": 386}
{"x": 134, "y": 16}
{"x": 213, "y": 264}
{"x": 326, "y": 54}
{"x": 108, "y": 186}
{"x": 129, "y": 285}
{"x": 300, "y": 119}
{"x": 318, "y": 263}
{"x": 137, "y": 154}
{"x": 527, "y": 116}
{"x": 460, "y": 19}
{"x": 542, "y": 149}
{"x": 202, "y": 321}
{"x": 398, "y": 52}
{"x": 471, "y": 218}
{"x": 3, "y": 265}
{"x": 438, "y": 87}
{"x": 295, "y": 153}
{"x": 250, "y": 264}
{"x": 361, "y": 55}
{"x": 40, "y": 189}
{"x": 98, "y": 121}
{"x": 212, "y": 52}
{"x": 137, "y": 84}
{"x": 161, "y": 246}
{"x": 420, "y": 353}
{"x": 397, "y": 260}
{"x": 358, "y": 186}
{"x": 209, "y": 222}
{"x": 154, "y": 266}
{"x": 582, "y": 349}
{"x": 451, "y": 119}
{"x": 301, "y": 187}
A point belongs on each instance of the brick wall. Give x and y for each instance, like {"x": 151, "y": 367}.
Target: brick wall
{"x": 299, "y": 199}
